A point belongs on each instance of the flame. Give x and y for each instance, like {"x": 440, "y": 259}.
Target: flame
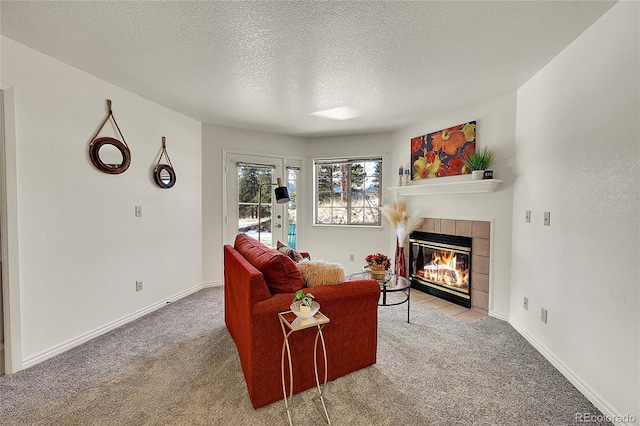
{"x": 444, "y": 270}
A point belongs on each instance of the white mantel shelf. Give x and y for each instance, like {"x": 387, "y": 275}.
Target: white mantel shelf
{"x": 441, "y": 188}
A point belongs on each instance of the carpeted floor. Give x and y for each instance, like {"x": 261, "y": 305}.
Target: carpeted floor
{"x": 179, "y": 366}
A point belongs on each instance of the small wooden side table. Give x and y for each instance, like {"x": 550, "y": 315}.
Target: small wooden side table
{"x": 290, "y": 323}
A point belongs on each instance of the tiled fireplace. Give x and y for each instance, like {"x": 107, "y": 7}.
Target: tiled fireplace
{"x": 475, "y": 291}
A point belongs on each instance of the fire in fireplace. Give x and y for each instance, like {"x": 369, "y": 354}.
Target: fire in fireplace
{"x": 440, "y": 265}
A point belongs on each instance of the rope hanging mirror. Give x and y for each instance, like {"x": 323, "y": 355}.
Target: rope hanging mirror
{"x": 164, "y": 174}
{"x": 109, "y": 155}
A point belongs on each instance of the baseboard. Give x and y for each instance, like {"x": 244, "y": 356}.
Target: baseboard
{"x": 2, "y": 369}
{"x": 58, "y": 349}
{"x": 593, "y": 396}
{"x": 210, "y": 284}
{"x": 499, "y": 315}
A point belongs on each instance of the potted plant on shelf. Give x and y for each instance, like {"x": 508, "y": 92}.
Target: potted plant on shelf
{"x": 377, "y": 265}
{"x": 479, "y": 161}
{"x": 303, "y": 304}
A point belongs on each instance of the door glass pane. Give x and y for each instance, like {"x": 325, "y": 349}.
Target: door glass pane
{"x": 250, "y": 177}
{"x": 292, "y": 206}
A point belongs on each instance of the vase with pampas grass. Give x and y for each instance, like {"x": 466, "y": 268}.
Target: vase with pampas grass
{"x": 404, "y": 225}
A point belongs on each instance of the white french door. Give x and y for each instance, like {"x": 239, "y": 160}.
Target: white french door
{"x": 251, "y": 206}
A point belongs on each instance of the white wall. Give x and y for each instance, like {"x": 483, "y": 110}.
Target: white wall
{"x": 337, "y": 243}
{"x": 80, "y": 247}
{"x": 577, "y": 156}
{"x": 215, "y": 141}
{"x": 495, "y": 127}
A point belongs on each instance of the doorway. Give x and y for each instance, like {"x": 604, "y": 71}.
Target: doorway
{"x": 251, "y": 207}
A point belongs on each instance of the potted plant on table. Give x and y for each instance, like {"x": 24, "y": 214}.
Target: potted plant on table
{"x": 303, "y": 304}
{"x": 479, "y": 161}
{"x": 377, "y": 265}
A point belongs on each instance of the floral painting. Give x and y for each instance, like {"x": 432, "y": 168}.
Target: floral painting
{"x": 442, "y": 153}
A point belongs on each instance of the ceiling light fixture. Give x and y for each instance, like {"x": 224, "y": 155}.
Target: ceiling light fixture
{"x": 339, "y": 113}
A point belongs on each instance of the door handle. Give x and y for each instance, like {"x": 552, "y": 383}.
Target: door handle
{"x": 278, "y": 225}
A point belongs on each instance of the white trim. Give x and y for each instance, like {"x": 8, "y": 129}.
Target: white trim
{"x": 448, "y": 187}
{"x": 498, "y": 315}
{"x": 595, "y": 398}
{"x": 63, "y": 347}
{"x": 211, "y": 284}
{"x": 10, "y": 237}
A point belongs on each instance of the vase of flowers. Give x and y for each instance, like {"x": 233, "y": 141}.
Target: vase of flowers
{"x": 404, "y": 225}
{"x": 377, "y": 265}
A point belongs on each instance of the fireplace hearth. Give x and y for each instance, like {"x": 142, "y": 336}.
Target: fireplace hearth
{"x": 440, "y": 264}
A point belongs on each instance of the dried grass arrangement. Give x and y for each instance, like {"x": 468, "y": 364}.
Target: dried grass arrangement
{"x": 403, "y": 223}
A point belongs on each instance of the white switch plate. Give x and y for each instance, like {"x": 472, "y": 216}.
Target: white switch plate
{"x": 527, "y": 216}
{"x": 138, "y": 285}
{"x": 547, "y": 219}
{"x": 138, "y": 211}
{"x": 525, "y": 303}
{"x": 543, "y": 315}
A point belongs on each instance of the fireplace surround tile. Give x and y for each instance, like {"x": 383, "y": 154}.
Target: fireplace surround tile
{"x": 428, "y": 225}
{"x": 480, "y": 281}
{"x": 481, "y": 246}
{"x": 480, "y": 299}
{"x": 481, "y": 229}
{"x": 448, "y": 226}
{"x": 480, "y": 264}
{"x": 463, "y": 228}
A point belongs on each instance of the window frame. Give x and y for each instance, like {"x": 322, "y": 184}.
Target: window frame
{"x": 349, "y": 202}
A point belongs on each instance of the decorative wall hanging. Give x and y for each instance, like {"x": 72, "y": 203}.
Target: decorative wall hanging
{"x": 164, "y": 174}
{"x": 442, "y": 153}
{"x": 109, "y": 155}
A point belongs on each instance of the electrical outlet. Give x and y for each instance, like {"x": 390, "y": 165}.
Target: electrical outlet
{"x": 543, "y": 315}
{"x": 527, "y": 216}
{"x": 139, "y": 285}
{"x": 138, "y": 211}
{"x": 547, "y": 218}
{"x": 525, "y": 303}
{"x": 352, "y": 257}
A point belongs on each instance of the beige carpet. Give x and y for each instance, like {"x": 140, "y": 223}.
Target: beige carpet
{"x": 179, "y": 366}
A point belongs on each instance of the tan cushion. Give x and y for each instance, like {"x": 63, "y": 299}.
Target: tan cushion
{"x": 318, "y": 272}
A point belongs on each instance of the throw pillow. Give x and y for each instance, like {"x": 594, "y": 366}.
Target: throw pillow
{"x": 280, "y": 272}
{"x": 288, "y": 251}
{"x": 318, "y": 272}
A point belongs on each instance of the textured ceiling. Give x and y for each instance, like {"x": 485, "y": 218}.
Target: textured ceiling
{"x": 267, "y": 65}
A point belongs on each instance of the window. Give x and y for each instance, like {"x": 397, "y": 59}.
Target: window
{"x": 347, "y": 191}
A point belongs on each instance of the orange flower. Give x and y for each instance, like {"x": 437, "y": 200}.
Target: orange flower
{"x": 455, "y": 166}
{"x": 449, "y": 140}
{"x": 416, "y": 144}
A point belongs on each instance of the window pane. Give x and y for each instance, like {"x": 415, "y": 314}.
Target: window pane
{"x": 348, "y": 192}
{"x": 324, "y": 215}
{"x": 357, "y": 199}
{"x": 339, "y": 200}
{"x": 371, "y": 215}
{"x": 339, "y": 216}
{"x": 357, "y": 216}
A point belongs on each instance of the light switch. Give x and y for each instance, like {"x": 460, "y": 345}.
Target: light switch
{"x": 138, "y": 211}
{"x": 547, "y": 218}
{"x": 527, "y": 216}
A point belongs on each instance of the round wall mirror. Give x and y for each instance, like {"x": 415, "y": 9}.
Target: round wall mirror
{"x": 165, "y": 176}
{"x": 110, "y": 155}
